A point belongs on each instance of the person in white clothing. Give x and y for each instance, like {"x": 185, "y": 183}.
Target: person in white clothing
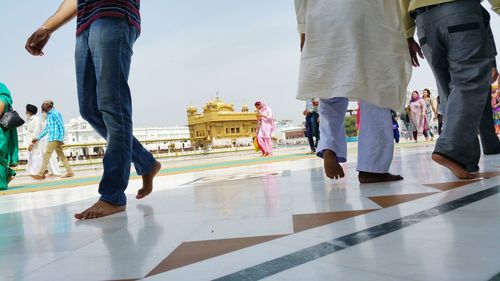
{"x": 33, "y": 129}
{"x": 354, "y": 50}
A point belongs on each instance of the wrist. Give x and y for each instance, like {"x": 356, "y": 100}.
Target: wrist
{"x": 46, "y": 29}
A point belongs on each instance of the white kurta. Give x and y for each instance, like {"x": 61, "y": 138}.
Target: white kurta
{"x": 35, "y": 156}
{"x": 354, "y": 49}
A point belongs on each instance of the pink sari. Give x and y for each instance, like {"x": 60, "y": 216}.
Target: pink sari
{"x": 265, "y": 128}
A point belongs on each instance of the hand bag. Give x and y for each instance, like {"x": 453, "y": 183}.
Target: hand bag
{"x": 11, "y": 119}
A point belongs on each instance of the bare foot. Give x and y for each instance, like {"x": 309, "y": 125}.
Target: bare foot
{"x": 331, "y": 164}
{"x": 366, "y": 177}
{"x": 147, "y": 182}
{"x": 38, "y": 177}
{"x": 68, "y": 175}
{"x": 454, "y": 167}
{"x": 100, "y": 209}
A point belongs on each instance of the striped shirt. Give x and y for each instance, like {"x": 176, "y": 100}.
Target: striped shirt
{"x": 90, "y": 10}
{"x": 54, "y": 127}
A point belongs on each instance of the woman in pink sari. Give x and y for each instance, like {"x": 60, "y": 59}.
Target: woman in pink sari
{"x": 265, "y": 127}
{"x": 417, "y": 115}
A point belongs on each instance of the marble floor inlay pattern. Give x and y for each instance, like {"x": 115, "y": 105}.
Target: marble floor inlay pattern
{"x": 278, "y": 218}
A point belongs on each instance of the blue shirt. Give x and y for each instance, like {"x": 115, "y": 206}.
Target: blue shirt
{"x": 310, "y": 107}
{"x": 54, "y": 127}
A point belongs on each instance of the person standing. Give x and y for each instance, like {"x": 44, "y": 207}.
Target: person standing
{"x": 33, "y": 129}
{"x": 55, "y": 130}
{"x": 417, "y": 115}
{"x": 495, "y": 104}
{"x": 312, "y": 123}
{"x": 487, "y": 133}
{"x": 348, "y": 48}
{"x": 439, "y": 116}
{"x": 456, "y": 43}
{"x": 429, "y": 110}
{"x": 8, "y": 142}
{"x": 395, "y": 126}
{"x": 105, "y": 36}
{"x": 265, "y": 127}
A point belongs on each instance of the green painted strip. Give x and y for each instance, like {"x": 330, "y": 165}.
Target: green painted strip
{"x": 93, "y": 180}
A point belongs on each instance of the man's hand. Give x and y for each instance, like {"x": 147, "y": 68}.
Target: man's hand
{"x": 494, "y": 75}
{"x": 30, "y": 147}
{"x": 302, "y": 41}
{"x": 414, "y": 49}
{"x": 306, "y": 112}
{"x": 39, "y": 38}
{"x": 37, "y": 41}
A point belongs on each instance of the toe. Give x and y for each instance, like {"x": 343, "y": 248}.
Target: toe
{"x": 88, "y": 215}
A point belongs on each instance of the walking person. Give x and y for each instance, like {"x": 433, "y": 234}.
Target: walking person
{"x": 417, "y": 115}
{"x": 345, "y": 45}
{"x": 456, "y": 43}
{"x": 487, "y": 133}
{"x": 312, "y": 123}
{"x": 439, "y": 116}
{"x": 430, "y": 108}
{"x": 405, "y": 120}
{"x": 265, "y": 127}
{"x": 53, "y": 167}
{"x": 395, "y": 126}
{"x": 55, "y": 131}
{"x": 105, "y": 35}
{"x": 33, "y": 129}
{"x": 495, "y": 104}
{"x": 8, "y": 142}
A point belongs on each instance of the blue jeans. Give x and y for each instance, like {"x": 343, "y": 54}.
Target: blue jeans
{"x": 312, "y": 130}
{"x": 102, "y": 57}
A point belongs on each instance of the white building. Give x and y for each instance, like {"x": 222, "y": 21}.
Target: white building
{"x": 82, "y": 140}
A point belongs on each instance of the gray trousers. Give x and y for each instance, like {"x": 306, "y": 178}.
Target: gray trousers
{"x": 455, "y": 42}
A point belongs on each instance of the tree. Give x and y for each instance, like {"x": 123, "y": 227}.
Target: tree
{"x": 350, "y": 126}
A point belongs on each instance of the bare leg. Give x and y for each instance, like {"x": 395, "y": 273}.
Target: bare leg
{"x": 147, "y": 182}
{"x": 366, "y": 177}
{"x": 454, "y": 167}
{"x": 98, "y": 210}
{"x": 331, "y": 164}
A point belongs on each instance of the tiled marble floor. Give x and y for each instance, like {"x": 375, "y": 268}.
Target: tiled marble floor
{"x": 273, "y": 219}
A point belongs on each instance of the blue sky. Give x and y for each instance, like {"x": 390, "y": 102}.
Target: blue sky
{"x": 188, "y": 50}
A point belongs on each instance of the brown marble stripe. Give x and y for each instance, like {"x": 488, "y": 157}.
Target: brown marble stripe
{"x": 488, "y": 175}
{"x": 392, "y": 200}
{"x": 445, "y": 186}
{"x": 192, "y": 252}
{"x": 307, "y": 221}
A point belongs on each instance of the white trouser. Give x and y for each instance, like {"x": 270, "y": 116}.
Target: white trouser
{"x": 376, "y": 143}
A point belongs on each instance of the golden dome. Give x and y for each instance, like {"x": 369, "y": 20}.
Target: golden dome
{"x": 218, "y": 105}
{"x": 191, "y": 109}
